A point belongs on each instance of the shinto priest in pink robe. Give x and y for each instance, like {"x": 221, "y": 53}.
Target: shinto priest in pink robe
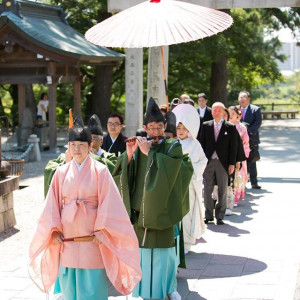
{"x": 85, "y": 202}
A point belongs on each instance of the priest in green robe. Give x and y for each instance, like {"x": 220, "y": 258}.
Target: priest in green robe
{"x": 153, "y": 176}
{"x": 95, "y": 128}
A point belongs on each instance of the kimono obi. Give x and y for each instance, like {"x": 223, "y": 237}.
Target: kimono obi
{"x": 72, "y": 206}
{"x": 78, "y": 218}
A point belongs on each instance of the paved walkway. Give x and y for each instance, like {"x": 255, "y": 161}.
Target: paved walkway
{"x": 256, "y": 255}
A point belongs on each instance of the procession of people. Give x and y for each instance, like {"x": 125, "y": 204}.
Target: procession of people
{"x": 128, "y": 210}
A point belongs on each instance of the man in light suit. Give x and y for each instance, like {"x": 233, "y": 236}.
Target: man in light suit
{"x": 252, "y": 116}
{"x": 219, "y": 140}
{"x": 203, "y": 111}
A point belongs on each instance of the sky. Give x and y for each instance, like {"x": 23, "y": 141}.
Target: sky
{"x": 285, "y": 35}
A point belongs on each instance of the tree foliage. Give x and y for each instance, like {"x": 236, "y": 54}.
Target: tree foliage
{"x": 251, "y": 57}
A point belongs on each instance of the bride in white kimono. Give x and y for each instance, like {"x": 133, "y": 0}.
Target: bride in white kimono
{"x": 188, "y": 122}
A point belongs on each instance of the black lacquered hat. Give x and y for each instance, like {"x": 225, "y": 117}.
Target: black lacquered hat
{"x": 171, "y": 123}
{"x": 153, "y": 113}
{"x": 94, "y": 125}
{"x": 78, "y": 132}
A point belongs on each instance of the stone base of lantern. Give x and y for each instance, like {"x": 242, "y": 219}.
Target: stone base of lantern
{"x": 7, "y": 214}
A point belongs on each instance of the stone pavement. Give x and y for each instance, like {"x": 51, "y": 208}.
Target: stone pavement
{"x": 256, "y": 255}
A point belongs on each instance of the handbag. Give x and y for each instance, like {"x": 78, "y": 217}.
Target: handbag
{"x": 238, "y": 180}
{"x": 254, "y": 155}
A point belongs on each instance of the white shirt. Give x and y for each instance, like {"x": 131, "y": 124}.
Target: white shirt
{"x": 99, "y": 153}
{"x": 202, "y": 111}
{"x": 39, "y": 108}
{"x": 79, "y": 166}
{"x": 112, "y": 139}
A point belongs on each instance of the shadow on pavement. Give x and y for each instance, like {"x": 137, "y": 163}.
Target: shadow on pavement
{"x": 8, "y": 233}
{"x": 280, "y": 180}
{"x": 209, "y": 266}
{"x": 212, "y": 266}
{"x": 245, "y": 209}
{"x": 229, "y": 229}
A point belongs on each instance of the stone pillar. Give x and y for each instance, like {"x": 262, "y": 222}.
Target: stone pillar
{"x": 156, "y": 86}
{"x": 134, "y": 91}
{"x": 7, "y": 214}
{"x": 35, "y": 154}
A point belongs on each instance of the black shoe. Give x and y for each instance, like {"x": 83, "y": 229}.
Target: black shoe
{"x": 256, "y": 186}
{"x": 206, "y": 221}
{"x": 220, "y": 222}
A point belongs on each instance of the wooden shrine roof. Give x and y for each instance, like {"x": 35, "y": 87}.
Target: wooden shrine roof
{"x": 45, "y": 27}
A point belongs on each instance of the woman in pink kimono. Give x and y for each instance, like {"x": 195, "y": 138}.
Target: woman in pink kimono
{"x": 84, "y": 234}
{"x": 241, "y": 176}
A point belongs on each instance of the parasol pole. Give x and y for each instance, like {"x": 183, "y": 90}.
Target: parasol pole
{"x": 70, "y": 119}
{"x": 164, "y": 74}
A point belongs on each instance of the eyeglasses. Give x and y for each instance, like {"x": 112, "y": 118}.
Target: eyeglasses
{"x": 160, "y": 128}
{"x": 113, "y": 124}
{"x": 96, "y": 138}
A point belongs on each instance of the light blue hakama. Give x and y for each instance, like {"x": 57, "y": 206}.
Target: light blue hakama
{"x": 177, "y": 242}
{"x": 159, "y": 268}
{"x": 82, "y": 284}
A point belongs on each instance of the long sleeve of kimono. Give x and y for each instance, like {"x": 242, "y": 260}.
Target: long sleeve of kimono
{"x": 245, "y": 138}
{"x": 108, "y": 159}
{"x": 165, "y": 200}
{"x": 199, "y": 162}
{"x": 118, "y": 242}
{"x": 122, "y": 175}
{"x": 43, "y": 253}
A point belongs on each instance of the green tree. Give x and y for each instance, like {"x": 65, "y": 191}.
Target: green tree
{"x": 98, "y": 80}
{"x": 239, "y": 58}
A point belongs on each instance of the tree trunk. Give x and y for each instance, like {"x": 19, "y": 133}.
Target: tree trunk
{"x": 13, "y": 89}
{"x": 218, "y": 81}
{"x": 99, "y": 102}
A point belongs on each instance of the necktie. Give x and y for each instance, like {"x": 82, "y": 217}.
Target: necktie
{"x": 243, "y": 113}
{"x": 217, "y": 130}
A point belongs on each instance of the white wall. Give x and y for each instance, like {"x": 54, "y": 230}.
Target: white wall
{"x": 293, "y": 52}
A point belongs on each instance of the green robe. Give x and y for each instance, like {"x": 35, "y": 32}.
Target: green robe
{"x": 106, "y": 158}
{"x": 155, "y": 191}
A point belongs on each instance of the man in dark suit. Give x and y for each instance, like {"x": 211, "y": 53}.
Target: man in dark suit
{"x": 252, "y": 116}
{"x": 203, "y": 111}
{"x": 114, "y": 141}
{"x": 219, "y": 142}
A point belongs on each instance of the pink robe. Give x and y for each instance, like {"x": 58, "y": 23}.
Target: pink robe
{"x": 239, "y": 191}
{"x": 81, "y": 204}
